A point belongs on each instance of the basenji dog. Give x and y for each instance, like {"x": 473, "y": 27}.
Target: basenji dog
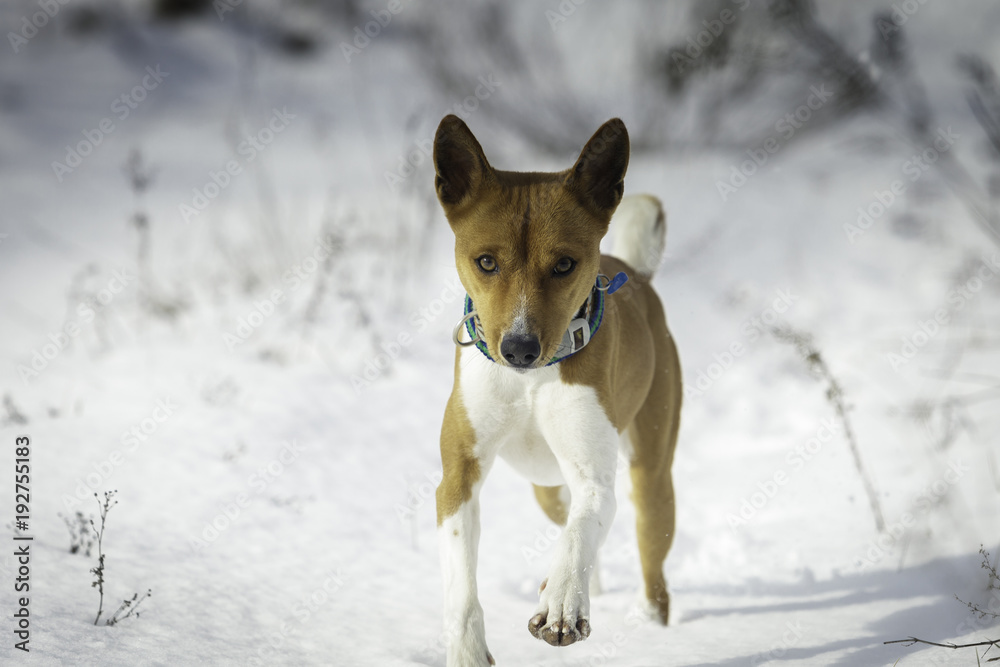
{"x": 557, "y": 371}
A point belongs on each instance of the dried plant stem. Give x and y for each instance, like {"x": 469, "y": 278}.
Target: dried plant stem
{"x": 835, "y": 395}
{"x": 131, "y": 605}
{"x": 993, "y": 585}
{"x": 98, "y": 570}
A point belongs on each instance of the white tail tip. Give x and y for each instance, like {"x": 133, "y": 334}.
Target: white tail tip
{"x": 639, "y": 233}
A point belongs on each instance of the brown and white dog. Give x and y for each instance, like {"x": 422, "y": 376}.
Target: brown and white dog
{"x": 527, "y": 246}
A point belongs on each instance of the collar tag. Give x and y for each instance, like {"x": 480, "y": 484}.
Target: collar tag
{"x": 617, "y": 282}
{"x": 611, "y": 285}
{"x": 575, "y": 337}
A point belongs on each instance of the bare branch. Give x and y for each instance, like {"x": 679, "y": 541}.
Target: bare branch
{"x": 835, "y": 395}
{"x": 913, "y": 640}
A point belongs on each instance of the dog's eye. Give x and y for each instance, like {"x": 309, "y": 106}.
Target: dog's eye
{"x": 564, "y": 266}
{"x": 487, "y": 264}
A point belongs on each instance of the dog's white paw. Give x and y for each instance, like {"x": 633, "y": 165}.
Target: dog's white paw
{"x": 470, "y": 654}
{"x": 563, "y": 615}
{"x": 467, "y": 642}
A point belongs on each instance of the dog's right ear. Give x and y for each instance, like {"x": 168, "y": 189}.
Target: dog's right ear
{"x": 459, "y": 163}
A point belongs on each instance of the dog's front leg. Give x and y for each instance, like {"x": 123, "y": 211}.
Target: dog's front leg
{"x": 464, "y": 469}
{"x": 586, "y": 445}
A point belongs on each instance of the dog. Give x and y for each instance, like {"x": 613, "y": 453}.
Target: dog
{"x": 558, "y": 368}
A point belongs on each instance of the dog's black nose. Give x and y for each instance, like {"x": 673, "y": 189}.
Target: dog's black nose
{"x": 520, "y": 350}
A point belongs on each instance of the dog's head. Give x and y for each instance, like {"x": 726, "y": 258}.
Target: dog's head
{"x": 527, "y": 245}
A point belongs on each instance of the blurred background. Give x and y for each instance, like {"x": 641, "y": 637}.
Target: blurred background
{"x": 228, "y": 292}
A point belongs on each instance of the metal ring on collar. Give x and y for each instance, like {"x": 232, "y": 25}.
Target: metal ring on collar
{"x": 456, "y": 335}
{"x": 605, "y": 285}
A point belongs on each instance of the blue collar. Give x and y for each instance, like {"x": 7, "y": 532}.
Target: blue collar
{"x": 581, "y": 330}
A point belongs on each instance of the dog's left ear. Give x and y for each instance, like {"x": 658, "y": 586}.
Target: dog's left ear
{"x": 598, "y": 177}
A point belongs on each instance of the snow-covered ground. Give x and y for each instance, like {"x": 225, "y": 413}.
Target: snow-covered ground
{"x": 264, "y": 390}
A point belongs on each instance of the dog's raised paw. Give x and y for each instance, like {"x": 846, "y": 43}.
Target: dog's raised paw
{"x": 559, "y": 633}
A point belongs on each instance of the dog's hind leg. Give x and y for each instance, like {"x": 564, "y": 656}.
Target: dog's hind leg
{"x": 653, "y": 493}
{"x": 554, "y": 501}
{"x": 653, "y": 434}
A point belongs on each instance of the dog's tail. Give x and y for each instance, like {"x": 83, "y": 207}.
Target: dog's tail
{"x": 639, "y": 233}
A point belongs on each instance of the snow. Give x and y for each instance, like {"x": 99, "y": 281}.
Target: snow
{"x": 323, "y": 548}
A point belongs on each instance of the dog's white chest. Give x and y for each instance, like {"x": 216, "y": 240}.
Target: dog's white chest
{"x": 505, "y": 408}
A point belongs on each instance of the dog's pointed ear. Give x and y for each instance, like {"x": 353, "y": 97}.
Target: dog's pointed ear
{"x": 598, "y": 177}
{"x": 459, "y": 163}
